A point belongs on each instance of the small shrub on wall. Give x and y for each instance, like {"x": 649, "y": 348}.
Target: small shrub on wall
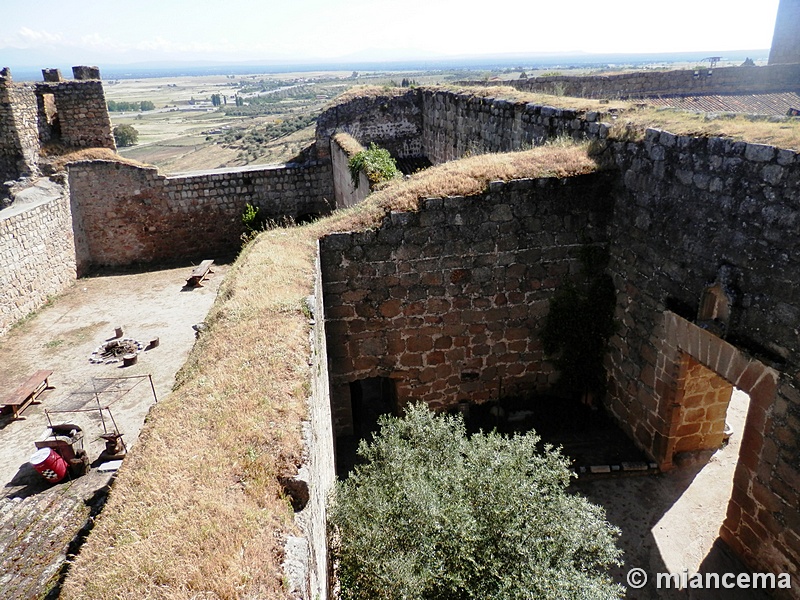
{"x": 433, "y": 513}
{"x": 376, "y": 162}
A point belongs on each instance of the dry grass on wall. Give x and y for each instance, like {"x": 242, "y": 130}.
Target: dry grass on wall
{"x": 348, "y": 143}
{"x": 463, "y": 178}
{"x": 196, "y": 511}
{"x": 58, "y": 158}
{"x": 783, "y": 133}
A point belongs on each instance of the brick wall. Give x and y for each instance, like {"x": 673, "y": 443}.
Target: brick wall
{"x": 448, "y": 301}
{"x": 129, "y": 214}
{"x": 37, "y": 256}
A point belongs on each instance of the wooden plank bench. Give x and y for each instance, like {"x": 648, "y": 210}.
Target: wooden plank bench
{"x": 200, "y": 272}
{"x": 27, "y": 393}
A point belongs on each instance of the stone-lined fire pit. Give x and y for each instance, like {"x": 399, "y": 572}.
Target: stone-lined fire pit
{"x": 123, "y": 349}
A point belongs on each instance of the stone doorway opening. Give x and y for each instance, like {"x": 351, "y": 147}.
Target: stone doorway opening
{"x": 370, "y": 398}
{"x": 703, "y": 398}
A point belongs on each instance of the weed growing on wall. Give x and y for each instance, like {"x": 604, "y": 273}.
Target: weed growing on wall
{"x": 376, "y": 162}
{"x": 435, "y": 513}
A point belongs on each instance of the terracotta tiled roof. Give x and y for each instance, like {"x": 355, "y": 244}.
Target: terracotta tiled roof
{"x": 761, "y": 104}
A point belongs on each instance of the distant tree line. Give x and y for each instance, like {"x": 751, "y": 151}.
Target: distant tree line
{"x": 253, "y": 138}
{"x": 122, "y": 106}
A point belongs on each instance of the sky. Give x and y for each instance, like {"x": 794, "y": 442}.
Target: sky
{"x": 55, "y": 32}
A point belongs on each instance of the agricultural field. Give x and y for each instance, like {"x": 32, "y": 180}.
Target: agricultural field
{"x": 208, "y": 122}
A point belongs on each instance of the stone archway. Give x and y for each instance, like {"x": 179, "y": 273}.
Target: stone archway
{"x": 692, "y": 350}
{"x": 696, "y": 351}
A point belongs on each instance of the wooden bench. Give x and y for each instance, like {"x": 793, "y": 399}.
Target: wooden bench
{"x": 27, "y": 393}
{"x": 200, "y": 272}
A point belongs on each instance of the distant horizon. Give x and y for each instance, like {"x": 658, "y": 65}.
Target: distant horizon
{"x": 53, "y": 33}
{"x": 476, "y": 62}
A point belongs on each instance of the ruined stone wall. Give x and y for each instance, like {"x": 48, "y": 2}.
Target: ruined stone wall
{"x": 392, "y": 119}
{"x": 786, "y": 38}
{"x": 444, "y": 125}
{"x": 449, "y": 301}
{"x": 319, "y": 446}
{"x": 82, "y": 113}
{"x": 641, "y": 84}
{"x": 37, "y": 257}
{"x": 687, "y": 207}
{"x": 459, "y": 125}
{"x": 19, "y": 137}
{"x": 132, "y": 214}
{"x": 346, "y": 193}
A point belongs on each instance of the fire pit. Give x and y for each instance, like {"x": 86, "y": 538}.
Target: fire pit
{"x": 115, "y": 351}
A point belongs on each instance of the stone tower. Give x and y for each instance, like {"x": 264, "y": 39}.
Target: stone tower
{"x": 786, "y": 40}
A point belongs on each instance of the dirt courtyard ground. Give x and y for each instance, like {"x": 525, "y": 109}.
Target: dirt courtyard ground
{"x": 62, "y": 336}
{"x": 670, "y": 522}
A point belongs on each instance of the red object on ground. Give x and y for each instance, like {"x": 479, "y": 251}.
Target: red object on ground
{"x": 49, "y": 464}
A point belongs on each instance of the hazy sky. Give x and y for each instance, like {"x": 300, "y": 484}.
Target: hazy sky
{"x": 111, "y": 32}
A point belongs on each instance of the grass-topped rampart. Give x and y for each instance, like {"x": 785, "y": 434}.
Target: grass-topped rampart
{"x": 201, "y": 513}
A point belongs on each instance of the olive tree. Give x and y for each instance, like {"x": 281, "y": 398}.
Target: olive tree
{"x": 125, "y": 135}
{"x": 432, "y": 513}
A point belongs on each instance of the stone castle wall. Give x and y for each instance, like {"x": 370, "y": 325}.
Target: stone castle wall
{"x": 82, "y": 119}
{"x": 19, "y": 142}
{"x": 82, "y": 113}
{"x": 346, "y": 193}
{"x": 641, "y": 84}
{"x": 392, "y": 118}
{"x": 685, "y": 208}
{"x": 459, "y": 125}
{"x": 131, "y": 214}
{"x": 448, "y": 302}
{"x": 37, "y": 257}
{"x": 689, "y": 207}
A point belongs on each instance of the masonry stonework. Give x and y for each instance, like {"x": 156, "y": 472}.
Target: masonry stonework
{"x": 448, "y": 302}
{"x": 346, "y": 192}
{"x": 37, "y": 257}
{"x": 641, "y": 84}
{"x": 685, "y": 209}
{"x": 19, "y": 142}
{"x": 393, "y": 118}
{"x": 130, "y": 214}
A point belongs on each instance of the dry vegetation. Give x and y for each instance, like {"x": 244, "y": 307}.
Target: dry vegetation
{"x": 58, "y": 158}
{"x": 463, "y": 178}
{"x": 196, "y": 511}
{"x": 783, "y": 133}
{"x": 348, "y": 143}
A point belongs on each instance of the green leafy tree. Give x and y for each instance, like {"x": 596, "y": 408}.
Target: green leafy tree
{"x": 125, "y": 135}
{"x": 146, "y": 105}
{"x": 434, "y": 514}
